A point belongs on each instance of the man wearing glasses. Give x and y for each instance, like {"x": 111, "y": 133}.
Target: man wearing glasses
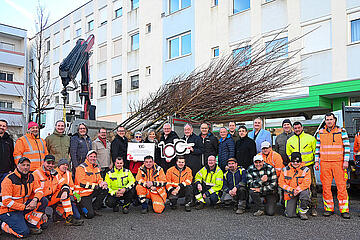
{"x": 295, "y": 179}
{"x": 119, "y": 146}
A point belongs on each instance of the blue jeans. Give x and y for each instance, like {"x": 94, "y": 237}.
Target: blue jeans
{"x": 16, "y": 222}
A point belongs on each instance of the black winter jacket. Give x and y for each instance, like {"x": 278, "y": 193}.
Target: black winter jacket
{"x": 211, "y": 147}
{"x": 7, "y": 163}
{"x": 118, "y": 148}
{"x": 193, "y": 159}
{"x": 170, "y": 139}
{"x": 245, "y": 150}
{"x": 79, "y": 147}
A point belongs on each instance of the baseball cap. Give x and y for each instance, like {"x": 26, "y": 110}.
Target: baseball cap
{"x": 91, "y": 152}
{"x": 23, "y": 159}
{"x": 258, "y": 158}
{"x": 265, "y": 144}
{"x": 49, "y": 158}
{"x": 295, "y": 157}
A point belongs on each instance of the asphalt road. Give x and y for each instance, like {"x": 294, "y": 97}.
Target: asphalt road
{"x": 206, "y": 224}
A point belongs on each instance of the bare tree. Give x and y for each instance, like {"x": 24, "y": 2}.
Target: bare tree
{"x": 40, "y": 88}
{"x": 228, "y": 86}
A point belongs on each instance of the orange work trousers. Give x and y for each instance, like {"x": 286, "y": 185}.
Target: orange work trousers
{"x": 63, "y": 207}
{"x": 157, "y": 197}
{"x": 328, "y": 172}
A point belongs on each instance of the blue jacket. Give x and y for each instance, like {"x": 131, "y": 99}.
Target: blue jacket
{"x": 237, "y": 179}
{"x": 226, "y": 151}
{"x": 79, "y": 147}
{"x": 262, "y": 136}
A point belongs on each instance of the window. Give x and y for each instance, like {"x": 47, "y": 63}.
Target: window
{"x": 176, "y": 5}
{"x": 148, "y": 71}
{"x": 7, "y": 76}
{"x": 118, "y": 12}
{"x": 355, "y": 30}
{"x": 148, "y": 28}
{"x": 117, "y": 48}
{"x": 56, "y": 39}
{"x": 245, "y": 55}
{"x": 135, "y": 42}
{"x": 31, "y": 65}
{"x": 77, "y": 28}
{"x": 91, "y": 92}
{"x": 6, "y": 104}
{"x": 77, "y": 96}
{"x": 103, "y": 90}
{"x": 102, "y": 56}
{"x": 241, "y": 5}
{"x": 48, "y": 76}
{"x": 266, "y": 1}
{"x": 215, "y": 52}
{"x": 102, "y": 16}
{"x": 277, "y": 48}
{"x": 47, "y": 45}
{"x": 134, "y": 4}
{"x": 2, "y": 76}
{"x": 57, "y": 99}
{"x": 7, "y": 46}
{"x": 66, "y": 34}
{"x": 134, "y": 82}
{"x": 118, "y": 86}
{"x": 180, "y": 45}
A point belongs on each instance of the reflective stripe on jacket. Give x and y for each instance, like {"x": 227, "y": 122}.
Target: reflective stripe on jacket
{"x": 119, "y": 179}
{"x": 155, "y": 175}
{"x": 15, "y": 192}
{"x": 48, "y": 181}
{"x": 87, "y": 178}
{"x": 333, "y": 145}
{"x": 291, "y": 178}
{"x": 65, "y": 179}
{"x": 211, "y": 178}
{"x": 32, "y": 148}
{"x": 175, "y": 178}
{"x": 304, "y": 144}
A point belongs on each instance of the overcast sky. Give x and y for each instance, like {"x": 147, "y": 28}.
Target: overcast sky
{"x": 22, "y": 13}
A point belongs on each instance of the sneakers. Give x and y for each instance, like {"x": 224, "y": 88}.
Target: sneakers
{"x": 116, "y": 208}
{"x": 345, "y": 215}
{"x": 35, "y": 231}
{"x": 328, "y": 213}
{"x": 200, "y": 206}
{"x": 303, "y": 216}
{"x": 240, "y": 211}
{"x": 187, "y": 207}
{"x": 173, "y": 206}
{"x": 313, "y": 212}
{"x": 125, "y": 210}
{"x": 217, "y": 206}
{"x": 71, "y": 221}
{"x": 259, "y": 213}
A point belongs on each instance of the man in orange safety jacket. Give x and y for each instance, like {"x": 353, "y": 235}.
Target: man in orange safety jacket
{"x": 31, "y": 146}
{"x": 333, "y": 153}
{"x": 23, "y": 205}
{"x": 151, "y": 185}
{"x": 271, "y": 157}
{"x": 58, "y": 194}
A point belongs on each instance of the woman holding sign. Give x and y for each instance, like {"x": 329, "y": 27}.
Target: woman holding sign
{"x": 151, "y": 138}
{"x": 134, "y": 164}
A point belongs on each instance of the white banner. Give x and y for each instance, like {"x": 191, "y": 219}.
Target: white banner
{"x": 137, "y": 151}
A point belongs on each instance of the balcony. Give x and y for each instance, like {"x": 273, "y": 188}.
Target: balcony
{"x": 12, "y": 58}
{"x": 12, "y": 88}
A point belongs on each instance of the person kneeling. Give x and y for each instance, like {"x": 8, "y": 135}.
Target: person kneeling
{"x": 262, "y": 183}
{"x": 121, "y": 183}
{"x": 89, "y": 185}
{"x": 295, "y": 179}
{"x": 208, "y": 183}
{"x": 235, "y": 186}
{"x": 151, "y": 185}
{"x": 179, "y": 179}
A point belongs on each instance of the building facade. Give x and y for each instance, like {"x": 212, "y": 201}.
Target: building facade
{"x": 13, "y": 76}
{"x": 140, "y": 45}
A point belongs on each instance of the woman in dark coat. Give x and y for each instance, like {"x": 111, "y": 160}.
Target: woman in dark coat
{"x": 80, "y": 145}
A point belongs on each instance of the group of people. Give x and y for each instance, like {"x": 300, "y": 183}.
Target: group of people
{"x": 77, "y": 176}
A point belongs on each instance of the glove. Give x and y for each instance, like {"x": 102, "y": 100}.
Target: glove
{"x": 77, "y": 197}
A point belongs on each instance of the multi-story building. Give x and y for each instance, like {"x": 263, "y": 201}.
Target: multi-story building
{"x": 13, "y": 75}
{"x": 140, "y": 45}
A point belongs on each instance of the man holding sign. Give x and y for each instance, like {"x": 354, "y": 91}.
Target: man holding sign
{"x": 193, "y": 158}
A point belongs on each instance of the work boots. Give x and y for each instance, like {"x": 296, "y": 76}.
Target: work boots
{"x": 125, "y": 210}
{"x": 35, "y": 231}
{"x": 313, "y": 212}
{"x": 328, "y": 213}
{"x": 239, "y": 211}
{"x": 188, "y": 207}
{"x": 200, "y": 206}
{"x": 303, "y": 216}
{"x": 116, "y": 208}
{"x": 71, "y": 221}
{"x": 259, "y": 213}
{"x": 345, "y": 215}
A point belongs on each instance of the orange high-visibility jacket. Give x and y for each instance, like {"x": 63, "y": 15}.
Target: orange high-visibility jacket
{"x": 65, "y": 179}
{"x": 176, "y": 178}
{"x": 15, "y": 193}
{"x": 32, "y": 148}
{"x": 155, "y": 175}
{"x": 274, "y": 159}
{"x": 331, "y": 145}
{"x": 48, "y": 181}
{"x": 290, "y": 178}
{"x": 87, "y": 177}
